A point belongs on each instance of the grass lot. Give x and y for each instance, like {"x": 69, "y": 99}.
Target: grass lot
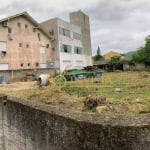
{"x": 125, "y": 92}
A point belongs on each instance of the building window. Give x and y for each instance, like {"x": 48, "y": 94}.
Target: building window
{"x": 39, "y": 37}
{"x": 65, "y": 48}
{"x": 20, "y": 44}
{"x": 26, "y": 26}
{"x": 10, "y": 34}
{"x": 5, "y": 23}
{"x": 29, "y": 64}
{"x": 76, "y": 36}
{"x": 3, "y": 53}
{"x": 3, "y": 46}
{"x": 42, "y": 50}
{"x": 27, "y": 46}
{"x": 21, "y": 65}
{"x": 9, "y": 30}
{"x": 47, "y": 45}
{"x": 64, "y": 32}
{"x": 36, "y": 64}
{"x": 19, "y": 24}
{"x": 77, "y": 50}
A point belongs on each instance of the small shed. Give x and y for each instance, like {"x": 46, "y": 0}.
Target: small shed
{"x": 100, "y": 64}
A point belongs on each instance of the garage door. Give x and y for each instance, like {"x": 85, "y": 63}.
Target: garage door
{"x": 3, "y": 66}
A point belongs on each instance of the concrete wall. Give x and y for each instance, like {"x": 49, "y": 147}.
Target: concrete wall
{"x": 82, "y": 20}
{"x": 137, "y": 66}
{"x": 25, "y": 125}
{"x": 73, "y": 61}
{"x": 21, "y": 74}
{"x": 70, "y": 60}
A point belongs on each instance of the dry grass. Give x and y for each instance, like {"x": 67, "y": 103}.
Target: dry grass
{"x": 126, "y": 93}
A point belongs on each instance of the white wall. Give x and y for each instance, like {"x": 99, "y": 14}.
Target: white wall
{"x": 73, "y": 61}
{"x": 43, "y": 65}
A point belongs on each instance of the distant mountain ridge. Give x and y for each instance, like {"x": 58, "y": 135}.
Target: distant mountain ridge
{"x": 128, "y": 55}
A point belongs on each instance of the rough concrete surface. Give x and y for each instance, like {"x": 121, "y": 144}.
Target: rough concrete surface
{"x": 26, "y": 125}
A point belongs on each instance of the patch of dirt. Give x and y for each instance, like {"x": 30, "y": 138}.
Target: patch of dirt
{"x": 141, "y": 86}
{"x": 18, "y": 86}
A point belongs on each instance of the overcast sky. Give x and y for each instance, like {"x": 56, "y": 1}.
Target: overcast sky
{"x": 119, "y": 25}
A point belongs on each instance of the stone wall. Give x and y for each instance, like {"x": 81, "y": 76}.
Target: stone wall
{"x": 26, "y": 125}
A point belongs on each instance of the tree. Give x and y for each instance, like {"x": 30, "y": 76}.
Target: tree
{"x": 98, "y": 51}
{"x": 115, "y": 60}
{"x": 139, "y": 56}
{"x": 115, "y": 63}
{"x": 143, "y": 53}
{"x": 147, "y": 48}
{"x": 98, "y": 56}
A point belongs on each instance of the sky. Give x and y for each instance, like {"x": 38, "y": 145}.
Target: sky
{"x": 118, "y": 25}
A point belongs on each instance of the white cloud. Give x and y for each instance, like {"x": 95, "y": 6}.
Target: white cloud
{"x": 121, "y": 25}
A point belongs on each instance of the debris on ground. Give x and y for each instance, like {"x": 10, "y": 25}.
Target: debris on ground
{"x": 117, "y": 90}
{"x": 91, "y": 102}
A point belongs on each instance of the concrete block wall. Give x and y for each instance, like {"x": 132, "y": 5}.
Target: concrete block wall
{"x": 26, "y": 125}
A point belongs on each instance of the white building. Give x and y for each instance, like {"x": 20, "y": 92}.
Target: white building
{"x": 71, "y": 47}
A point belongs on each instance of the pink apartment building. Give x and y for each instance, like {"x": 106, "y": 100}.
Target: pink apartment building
{"x": 24, "y": 44}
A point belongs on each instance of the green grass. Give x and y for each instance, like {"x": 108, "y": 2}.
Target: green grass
{"x": 133, "y": 98}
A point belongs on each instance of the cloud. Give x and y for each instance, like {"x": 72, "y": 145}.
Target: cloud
{"x": 119, "y": 25}
{"x": 126, "y": 20}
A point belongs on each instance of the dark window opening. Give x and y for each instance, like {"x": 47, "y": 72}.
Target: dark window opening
{"x": 66, "y": 48}
{"x": 20, "y": 44}
{"x": 39, "y": 36}
{"x": 29, "y": 64}
{"x": 10, "y": 34}
{"x": 5, "y": 24}
{"x": 4, "y": 103}
{"x": 51, "y": 32}
{"x": 9, "y": 30}
{"x": 27, "y": 46}
{"x": 77, "y": 50}
{"x": 26, "y": 26}
{"x": 36, "y": 64}
{"x": 21, "y": 65}
{"x": 47, "y": 45}
{"x": 3, "y": 53}
{"x": 19, "y": 24}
